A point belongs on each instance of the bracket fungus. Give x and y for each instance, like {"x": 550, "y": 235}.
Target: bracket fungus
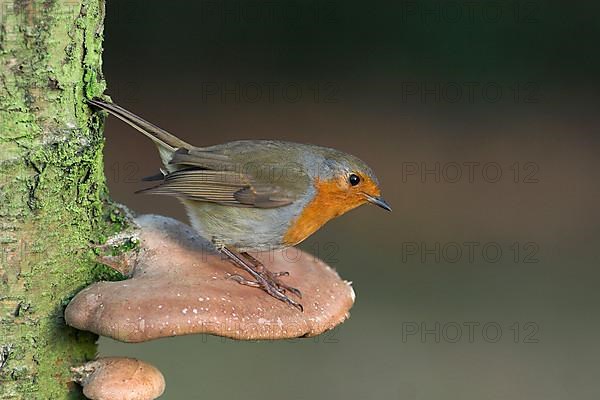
{"x": 178, "y": 284}
{"x": 119, "y": 378}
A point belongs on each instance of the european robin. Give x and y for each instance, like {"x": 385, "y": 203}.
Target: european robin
{"x": 256, "y": 195}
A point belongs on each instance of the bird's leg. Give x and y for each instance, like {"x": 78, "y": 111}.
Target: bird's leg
{"x": 274, "y": 276}
{"x": 261, "y": 275}
{"x": 243, "y": 281}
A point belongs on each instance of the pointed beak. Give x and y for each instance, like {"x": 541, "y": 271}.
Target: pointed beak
{"x": 378, "y": 201}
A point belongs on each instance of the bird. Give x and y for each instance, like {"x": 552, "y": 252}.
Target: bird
{"x": 256, "y": 195}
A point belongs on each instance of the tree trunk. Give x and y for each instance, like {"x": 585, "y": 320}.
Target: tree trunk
{"x": 53, "y": 197}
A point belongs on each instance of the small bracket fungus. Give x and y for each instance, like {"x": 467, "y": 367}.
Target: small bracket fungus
{"x": 119, "y": 378}
{"x": 179, "y": 285}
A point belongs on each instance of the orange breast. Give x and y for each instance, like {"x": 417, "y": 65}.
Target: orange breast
{"x": 331, "y": 200}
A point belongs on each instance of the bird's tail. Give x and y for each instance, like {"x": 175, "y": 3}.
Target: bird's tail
{"x": 166, "y": 142}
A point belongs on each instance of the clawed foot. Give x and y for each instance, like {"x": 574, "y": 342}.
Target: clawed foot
{"x": 264, "y": 279}
{"x": 272, "y": 277}
{"x": 274, "y": 288}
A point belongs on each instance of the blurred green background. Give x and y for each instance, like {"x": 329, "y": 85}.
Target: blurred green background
{"x": 481, "y": 121}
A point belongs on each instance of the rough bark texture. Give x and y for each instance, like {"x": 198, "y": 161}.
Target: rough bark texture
{"x": 53, "y": 204}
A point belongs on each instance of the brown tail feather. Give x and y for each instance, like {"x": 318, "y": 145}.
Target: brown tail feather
{"x": 158, "y": 135}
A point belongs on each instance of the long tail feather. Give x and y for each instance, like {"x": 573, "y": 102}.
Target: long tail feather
{"x": 159, "y": 136}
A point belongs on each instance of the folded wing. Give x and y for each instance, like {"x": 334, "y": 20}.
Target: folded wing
{"x": 215, "y": 178}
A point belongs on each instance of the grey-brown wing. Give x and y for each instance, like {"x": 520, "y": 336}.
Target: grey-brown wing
{"x": 223, "y": 187}
{"x": 205, "y": 159}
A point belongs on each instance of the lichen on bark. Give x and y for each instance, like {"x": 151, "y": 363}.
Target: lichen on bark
{"x": 53, "y": 199}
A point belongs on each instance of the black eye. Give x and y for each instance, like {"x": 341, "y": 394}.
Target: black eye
{"x": 353, "y": 179}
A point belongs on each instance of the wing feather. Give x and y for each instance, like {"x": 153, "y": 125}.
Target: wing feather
{"x": 223, "y": 187}
{"x": 202, "y": 158}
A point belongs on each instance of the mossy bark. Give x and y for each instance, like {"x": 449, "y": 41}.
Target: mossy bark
{"x": 53, "y": 197}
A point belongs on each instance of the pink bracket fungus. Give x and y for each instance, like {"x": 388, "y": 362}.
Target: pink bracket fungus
{"x": 119, "y": 378}
{"x": 179, "y": 285}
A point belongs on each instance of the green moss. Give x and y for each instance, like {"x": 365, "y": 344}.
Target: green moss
{"x": 118, "y": 219}
{"x": 103, "y": 273}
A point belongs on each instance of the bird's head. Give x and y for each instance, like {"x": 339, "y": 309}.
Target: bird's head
{"x": 349, "y": 182}
{"x": 341, "y": 182}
